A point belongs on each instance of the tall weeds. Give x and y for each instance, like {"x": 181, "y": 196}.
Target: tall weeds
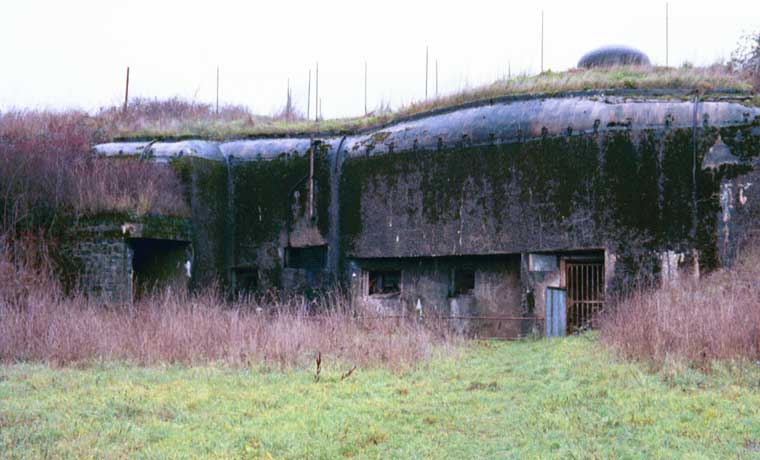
{"x": 39, "y": 324}
{"x": 46, "y": 170}
{"x": 716, "y": 317}
{"x": 200, "y": 329}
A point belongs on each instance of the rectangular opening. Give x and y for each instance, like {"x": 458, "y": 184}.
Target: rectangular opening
{"x": 246, "y": 281}
{"x": 158, "y": 264}
{"x": 309, "y": 258}
{"x": 585, "y": 292}
{"x": 463, "y": 281}
{"x": 384, "y": 282}
{"x": 542, "y": 262}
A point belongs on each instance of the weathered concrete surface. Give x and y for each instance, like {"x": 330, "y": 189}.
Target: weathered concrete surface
{"x": 103, "y": 248}
{"x": 739, "y": 218}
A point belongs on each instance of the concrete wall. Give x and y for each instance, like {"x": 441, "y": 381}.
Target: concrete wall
{"x": 102, "y": 249}
{"x": 428, "y": 289}
{"x": 206, "y": 191}
{"x": 106, "y": 268}
{"x": 272, "y": 211}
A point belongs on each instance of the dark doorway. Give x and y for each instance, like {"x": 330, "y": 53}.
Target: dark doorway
{"x": 309, "y": 258}
{"x": 158, "y": 264}
{"x": 304, "y": 268}
{"x": 246, "y": 281}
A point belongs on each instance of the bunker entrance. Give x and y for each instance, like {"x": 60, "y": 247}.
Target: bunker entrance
{"x": 585, "y": 292}
{"x": 159, "y": 264}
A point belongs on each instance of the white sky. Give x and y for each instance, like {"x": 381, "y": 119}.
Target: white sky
{"x": 74, "y": 53}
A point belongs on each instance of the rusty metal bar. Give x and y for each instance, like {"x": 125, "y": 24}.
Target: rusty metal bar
{"x": 473, "y": 318}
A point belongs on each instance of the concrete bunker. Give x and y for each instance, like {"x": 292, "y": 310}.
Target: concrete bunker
{"x": 483, "y": 214}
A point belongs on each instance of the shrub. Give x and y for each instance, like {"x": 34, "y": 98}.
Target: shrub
{"x": 716, "y": 317}
{"x": 46, "y": 170}
{"x": 746, "y": 58}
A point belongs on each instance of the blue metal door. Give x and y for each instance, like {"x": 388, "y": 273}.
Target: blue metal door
{"x": 556, "y": 319}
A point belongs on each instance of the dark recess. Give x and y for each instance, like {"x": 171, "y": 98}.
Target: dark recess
{"x": 158, "y": 264}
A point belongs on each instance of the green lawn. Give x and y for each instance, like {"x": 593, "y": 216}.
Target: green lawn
{"x": 535, "y": 399}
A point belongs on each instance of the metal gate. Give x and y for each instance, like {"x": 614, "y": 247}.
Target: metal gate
{"x": 585, "y": 293}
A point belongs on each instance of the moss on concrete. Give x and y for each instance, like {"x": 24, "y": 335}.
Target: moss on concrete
{"x": 628, "y": 191}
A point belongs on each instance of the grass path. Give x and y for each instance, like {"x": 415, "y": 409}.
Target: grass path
{"x": 544, "y": 399}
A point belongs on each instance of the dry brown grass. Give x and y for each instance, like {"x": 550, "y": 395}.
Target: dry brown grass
{"x": 175, "y": 117}
{"x": 715, "y": 77}
{"x": 201, "y": 330}
{"x": 46, "y": 170}
{"x": 695, "y": 321}
{"x": 38, "y": 323}
{"x": 180, "y": 119}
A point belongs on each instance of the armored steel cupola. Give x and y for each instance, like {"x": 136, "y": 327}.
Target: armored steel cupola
{"x": 609, "y": 56}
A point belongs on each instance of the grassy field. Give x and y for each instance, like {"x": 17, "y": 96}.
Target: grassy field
{"x": 534, "y": 399}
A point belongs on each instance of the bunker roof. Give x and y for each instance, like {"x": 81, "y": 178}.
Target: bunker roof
{"x": 632, "y": 80}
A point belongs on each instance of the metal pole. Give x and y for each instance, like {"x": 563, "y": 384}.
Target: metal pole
{"x": 667, "y": 25}
{"x": 694, "y": 191}
{"x": 426, "y": 72}
{"x": 365, "y": 88}
{"x": 542, "y": 41}
{"x": 316, "y": 97}
{"x": 436, "y": 78}
{"x": 308, "y": 98}
{"x": 217, "y": 90}
{"x": 311, "y": 179}
{"x": 126, "y": 92}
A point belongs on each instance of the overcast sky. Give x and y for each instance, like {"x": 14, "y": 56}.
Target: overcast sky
{"x": 74, "y": 53}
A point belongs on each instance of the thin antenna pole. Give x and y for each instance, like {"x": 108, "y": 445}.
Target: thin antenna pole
{"x": 217, "y": 90}
{"x": 365, "y": 88}
{"x": 308, "y": 98}
{"x": 436, "y": 78}
{"x": 126, "y": 92}
{"x": 316, "y": 97}
{"x": 509, "y": 70}
{"x": 542, "y": 41}
{"x": 287, "y": 104}
{"x": 426, "y": 71}
{"x": 667, "y": 25}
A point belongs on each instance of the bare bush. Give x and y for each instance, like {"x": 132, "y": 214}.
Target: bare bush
{"x": 716, "y": 317}
{"x": 46, "y": 170}
{"x": 172, "y": 115}
{"x": 746, "y": 58}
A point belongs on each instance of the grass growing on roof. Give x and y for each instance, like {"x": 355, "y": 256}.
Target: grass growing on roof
{"x": 713, "y": 78}
{"x": 238, "y": 123}
{"x": 534, "y": 399}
